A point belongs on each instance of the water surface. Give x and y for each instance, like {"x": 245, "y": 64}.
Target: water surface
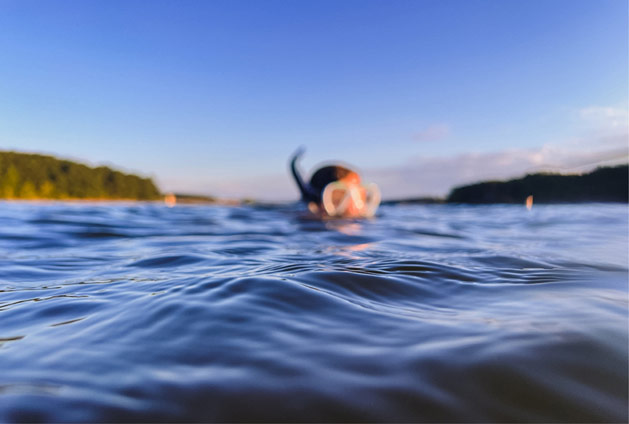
{"x": 140, "y": 312}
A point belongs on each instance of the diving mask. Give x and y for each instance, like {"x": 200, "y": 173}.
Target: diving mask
{"x": 351, "y": 200}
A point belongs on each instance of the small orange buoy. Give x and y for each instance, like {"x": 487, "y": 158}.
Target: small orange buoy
{"x": 170, "y": 199}
{"x": 529, "y": 202}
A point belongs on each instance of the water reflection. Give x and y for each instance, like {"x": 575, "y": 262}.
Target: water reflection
{"x": 350, "y": 228}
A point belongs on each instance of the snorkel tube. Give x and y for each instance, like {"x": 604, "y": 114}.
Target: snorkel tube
{"x": 308, "y": 194}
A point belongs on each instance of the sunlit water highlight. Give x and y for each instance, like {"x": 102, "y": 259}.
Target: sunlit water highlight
{"x": 141, "y": 312}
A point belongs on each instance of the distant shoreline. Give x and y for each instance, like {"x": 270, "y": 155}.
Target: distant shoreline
{"x": 35, "y": 178}
{"x": 404, "y": 202}
{"x": 603, "y": 185}
{"x": 221, "y": 202}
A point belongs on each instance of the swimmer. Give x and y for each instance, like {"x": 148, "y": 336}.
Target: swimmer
{"x": 336, "y": 191}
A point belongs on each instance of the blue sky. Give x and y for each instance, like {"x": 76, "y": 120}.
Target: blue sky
{"x": 213, "y": 96}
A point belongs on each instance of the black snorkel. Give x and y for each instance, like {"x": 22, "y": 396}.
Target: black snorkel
{"x": 308, "y": 194}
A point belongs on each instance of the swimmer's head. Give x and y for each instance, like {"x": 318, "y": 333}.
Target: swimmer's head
{"x": 341, "y": 193}
{"x": 338, "y": 191}
{"x": 329, "y": 174}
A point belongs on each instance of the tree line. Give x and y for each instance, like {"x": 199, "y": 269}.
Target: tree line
{"x": 606, "y": 184}
{"x": 34, "y": 176}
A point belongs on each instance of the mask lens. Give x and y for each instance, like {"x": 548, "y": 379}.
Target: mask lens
{"x": 356, "y": 200}
{"x": 336, "y": 197}
{"x": 372, "y": 200}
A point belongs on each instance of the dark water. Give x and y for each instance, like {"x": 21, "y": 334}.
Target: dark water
{"x": 426, "y": 313}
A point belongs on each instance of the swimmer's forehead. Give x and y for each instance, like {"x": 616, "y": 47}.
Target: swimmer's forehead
{"x": 351, "y": 178}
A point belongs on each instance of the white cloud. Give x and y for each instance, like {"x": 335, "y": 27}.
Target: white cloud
{"x": 605, "y": 117}
{"x": 435, "y": 176}
{"x": 432, "y": 133}
{"x": 604, "y": 141}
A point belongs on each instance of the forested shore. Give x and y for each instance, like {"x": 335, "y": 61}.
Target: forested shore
{"x": 606, "y": 184}
{"x": 35, "y": 177}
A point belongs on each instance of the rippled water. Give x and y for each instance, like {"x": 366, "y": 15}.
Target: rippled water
{"x": 426, "y": 313}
